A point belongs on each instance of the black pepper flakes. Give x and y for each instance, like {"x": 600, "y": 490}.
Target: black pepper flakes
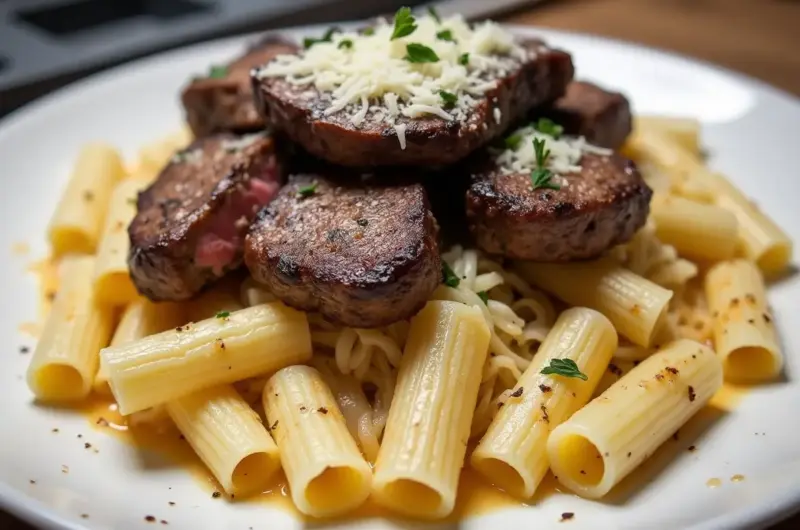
{"x": 322, "y": 410}
{"x": 163, "y": 521}
{"x": 767, "y": 318}
{"x": 545, "y": 389}
{"x": 149, "y": 518}
{"x": 545, "y": 416}
{"x": 24, "y": 349}
{"x": 87, "y": 445}
{"x": 675, "y": 436}
{"x": 88, "y": 196}
{"x": 692, "y": 449}
{"x": 751, "y": 321}
{"x": 216, "y": 495}
{"x": 171, "y": 503}
{"x": 102, "y": 422}
{"x": 750, "y": 298}
{"x": 673, "y": 371}
{"x": 273, "y": 426}
{"x": 84, "y": 516}
{"x": 614, "y": 369}
{"x": 362, "y": 222}
{"x": 566, "y": 516}
{"x": 629, "y": 454}
{"x": 518, "y": 392}
{"x": 692, "y": 395}
{"x": 734, "y": 302}
{"x": 303, "y": 408}
{"x": 500, "y": 404}
{"x": 659, "y": 376}
{"x": 80, "y": 436}
{"x": 179, "y": 329}
{"x": 32, "y": 481}
{"x": 54, "y": 430}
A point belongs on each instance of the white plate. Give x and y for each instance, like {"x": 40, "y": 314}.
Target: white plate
{"x": 751, "y": 131}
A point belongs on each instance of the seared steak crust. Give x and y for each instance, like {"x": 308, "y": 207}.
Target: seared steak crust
{"x": 362, "y": 254}
{"x": 430, "y": 141}
{"x": 213, "y": 105}
{"x": 192, "y": 220}
{"x": 600, "y": 207}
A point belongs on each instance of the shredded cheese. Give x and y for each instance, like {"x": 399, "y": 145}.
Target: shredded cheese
{"x": 372, "y": 79}
{"x": 565, "y": 152}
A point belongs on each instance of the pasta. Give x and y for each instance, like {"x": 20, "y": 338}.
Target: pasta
{"x": 112, "y": 282}
{"x": 78, "y": 220}
{"x": 140, "y": 319}
{"x": 229, "y": 438}
{"x": 423, "y": 448}
{"x": 603, "y": 442}
{"x": 683, "y": 131}
{"x": 326, "y": 472}
{"x": 696, "y": 230}
{"x": 744, "y": 333}
{"x": 65, "y": 360}
{"x": 635, "y": 305}
{"x": 168, "y": 365}
{"x": 511, "y": 454}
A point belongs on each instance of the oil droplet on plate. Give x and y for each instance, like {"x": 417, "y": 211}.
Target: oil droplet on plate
{"x": 737, "y": 478}
{"x": 713, "y": 483}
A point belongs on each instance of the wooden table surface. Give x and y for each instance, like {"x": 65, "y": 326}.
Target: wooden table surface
{"x": 758, "y": 37}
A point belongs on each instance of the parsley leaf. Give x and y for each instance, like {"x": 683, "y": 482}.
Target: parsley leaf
{"x": 446, "y": 35}
{"x": 450, "y": 278}
{"x": 564, "y": 368}
{"x": 345, "y": 43}
{"x": 448, "y": 97}
{"x": 432, "y": 12}
{"x": 368, "y": 32}
{"x": 513, "y": 141}
{"x": 309, "y": 42}
{"x": 541, "y": 177}
{"x": 483, "y": 295}
{"x": 307, "y": 191}
{"x": 549, "y": 127}
{"x": 419, "y": 53}
{"x": 223, "y": 314}
{"x": 464, "y": 59}
{"x": 217, "y": 72}
{"x": 404, "y": 23}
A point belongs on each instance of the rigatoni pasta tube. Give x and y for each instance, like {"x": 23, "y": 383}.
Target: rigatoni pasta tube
{"x": 607, "y": 439}
{"x": 66, "y": 357}
{"x": 744, "y": 333}
{"x": 696, "y": 230}
{"x": 683, "y": 131}
{"x": 635, "y": 305}
{"x": 78, "y": 220}
{"x": 229, "y": 438}
{"x": 429, "y": 420}
{"x": 140, "y": 319}
{"x": 512, "y": 452}
{"x": 166, "y": 366}
{"x": 327, "y": 474}
{"x": 112, "y": 280}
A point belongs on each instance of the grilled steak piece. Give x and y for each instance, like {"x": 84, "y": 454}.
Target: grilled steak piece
{"x": 191, "y": 222}
{"x": 223, "y": 101}
{"x": 430, "y": 140}
{"x": 602, "y": 117}
{"x": 362, "y": 254}
{"x": 596, "y": 208}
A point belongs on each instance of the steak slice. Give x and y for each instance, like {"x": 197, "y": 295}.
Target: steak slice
{"x": 602, "y": 117}
{"x": 596, "y": 208}
{"x": 429, "y": 141}
{"x": 224, "y": 101}
{"x": 362, "y": 254}
{"x": 191, "y": 222}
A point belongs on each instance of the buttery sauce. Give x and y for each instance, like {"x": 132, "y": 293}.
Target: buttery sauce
{"x": 475, "y": 497}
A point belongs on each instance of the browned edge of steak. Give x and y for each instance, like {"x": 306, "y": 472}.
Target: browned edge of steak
{"x": 360, "y": 253}
{"x": 602, "y": 117}
{"x": 430, "y": 141}
{"x": 225, "y": 104}
{"x": 202, "y": 192}
{"x": 602, "y": 206}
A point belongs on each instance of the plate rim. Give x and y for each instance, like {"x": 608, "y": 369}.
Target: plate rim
{"x": 38, "y": 513}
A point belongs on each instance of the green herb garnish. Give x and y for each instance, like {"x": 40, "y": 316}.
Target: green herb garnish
{"x": 345, "y": 43}
{"x": 368, "y": 32}
{"x": 307, "y": 191}
{"x": 564, "y": 368}
{"x": 223, "y": 314}
{"x": 450, "y": 278}
{"x": 419, "y": 53}
{"x": 404, "y": 23}
{"x": 513, "y": 141}
{"x": 448, "y": 97}
{"x": 327, "y": 37}
{"x": 446, "y": 35}
{"x": 432, "y": 12}
{"x": 549, "y": 127}
{"x": 217, "y": 72}
{"x": 541, "y": 177}
{"x": 483, "y": 295}
{"x": 464, "y": 59}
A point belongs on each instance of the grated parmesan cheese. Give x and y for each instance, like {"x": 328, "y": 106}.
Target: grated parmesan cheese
{"x": 565, "y": 152}
{"x": 372, "y": 78}
{"x": 498, "y": 116}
